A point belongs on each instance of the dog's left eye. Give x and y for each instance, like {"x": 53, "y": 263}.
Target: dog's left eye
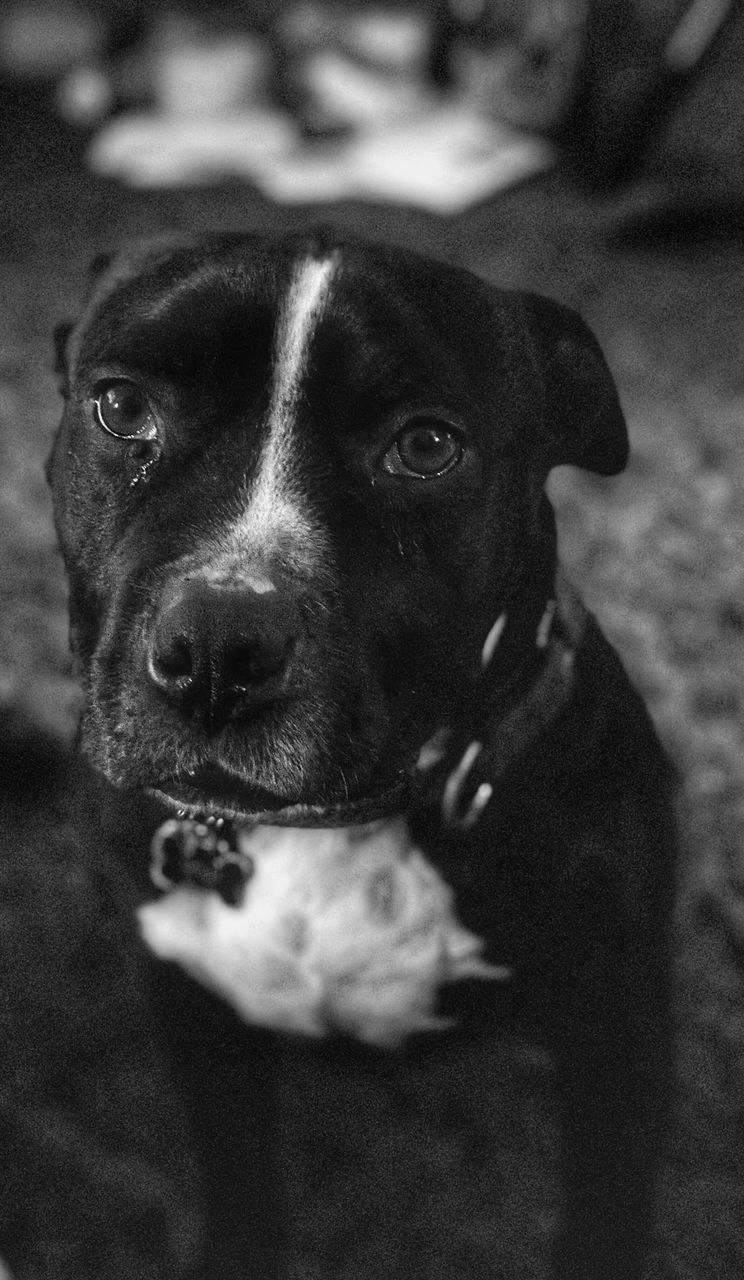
{"x": 124, "y": 411}
{"x": 425, "y": 448}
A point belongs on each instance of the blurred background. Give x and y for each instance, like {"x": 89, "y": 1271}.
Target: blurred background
{"x": 592, "y": 150}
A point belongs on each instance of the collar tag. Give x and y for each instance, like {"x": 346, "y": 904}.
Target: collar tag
{"x": 206, "y": 854}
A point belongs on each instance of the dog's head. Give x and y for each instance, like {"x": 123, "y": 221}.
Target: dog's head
{"x": 295, "y": 483}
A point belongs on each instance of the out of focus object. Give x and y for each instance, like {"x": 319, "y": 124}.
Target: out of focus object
{"x": 338, "y": 103}
{"x": 145, "y": 149}
{"x": 341, "y": 67}
{"x": 516, "y": 60}
{"x": 170, "y": 63}
{"x": 695, "y": 32}
{"x": 201, "y": 77}
{"x": 41, "y": 38}
{"x": 639, "y": 60}
{"x": 445, "y": 160}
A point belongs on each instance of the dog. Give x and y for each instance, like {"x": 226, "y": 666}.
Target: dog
{"x": 299, "y": 491}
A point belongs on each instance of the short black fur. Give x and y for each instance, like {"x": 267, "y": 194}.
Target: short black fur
{"x": 569, "y": 873}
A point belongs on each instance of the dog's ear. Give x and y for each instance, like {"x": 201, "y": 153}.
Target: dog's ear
{"x": 583, "y": 421}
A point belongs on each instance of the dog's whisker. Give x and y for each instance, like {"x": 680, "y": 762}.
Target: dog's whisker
{"x": 344, "y": 783}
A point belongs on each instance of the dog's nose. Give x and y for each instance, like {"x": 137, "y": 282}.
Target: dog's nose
{"x": 221, "y": 652}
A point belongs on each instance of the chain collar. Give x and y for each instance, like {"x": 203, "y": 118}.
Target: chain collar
{"x": 557, "y": 637}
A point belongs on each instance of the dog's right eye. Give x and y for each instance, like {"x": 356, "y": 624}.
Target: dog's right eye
{"x": 124, "y": 411}
{"x": 426, "y": 447}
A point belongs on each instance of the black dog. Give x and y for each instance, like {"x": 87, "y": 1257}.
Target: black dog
{"x": 299, "y": 492}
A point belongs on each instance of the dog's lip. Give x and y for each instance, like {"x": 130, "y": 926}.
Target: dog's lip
{"x": 213, "y": 794}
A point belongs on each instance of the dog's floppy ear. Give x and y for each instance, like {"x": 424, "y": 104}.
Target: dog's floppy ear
{"x": 583, "y": 421}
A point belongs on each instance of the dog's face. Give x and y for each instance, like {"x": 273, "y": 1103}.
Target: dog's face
{"x": 295, "y": 483}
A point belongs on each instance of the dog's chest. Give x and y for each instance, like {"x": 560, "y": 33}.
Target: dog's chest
{"x": 338, "y": 930}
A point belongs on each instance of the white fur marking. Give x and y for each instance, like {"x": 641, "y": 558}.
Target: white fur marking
{"x": 304, "y": 303}
{"x": 272, "y": 505}
{"x": 220, "y": 577}
{"x": 345, "y": 929}
{"x": 261, "y": 586}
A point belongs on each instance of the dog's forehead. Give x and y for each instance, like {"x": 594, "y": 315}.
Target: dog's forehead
{"x": 185, "y": 313}
{"x": 216, "y": 308}
{"x": 291, "y": 354}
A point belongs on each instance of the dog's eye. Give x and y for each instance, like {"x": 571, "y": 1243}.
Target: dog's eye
{"x": 124, "y": 411}
{"x": 425, "y": 447}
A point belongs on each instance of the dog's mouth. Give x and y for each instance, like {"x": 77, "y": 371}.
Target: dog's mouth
{"x": 213, "y": 793}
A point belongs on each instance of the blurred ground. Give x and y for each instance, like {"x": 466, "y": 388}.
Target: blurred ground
{"x": 658, "y": 554}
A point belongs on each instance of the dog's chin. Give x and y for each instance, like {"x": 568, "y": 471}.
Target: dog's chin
{"x": 216, "y": 793}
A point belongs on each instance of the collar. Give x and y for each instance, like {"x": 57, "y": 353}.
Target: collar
{"x": 509, "y": 733}
{"x": 206, "y": 852}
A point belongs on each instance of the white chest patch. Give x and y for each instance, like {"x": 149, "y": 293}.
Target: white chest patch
{"x": 345, "y": 929}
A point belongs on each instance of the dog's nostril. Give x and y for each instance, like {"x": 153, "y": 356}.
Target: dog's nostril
{"x": 174, "y": 660}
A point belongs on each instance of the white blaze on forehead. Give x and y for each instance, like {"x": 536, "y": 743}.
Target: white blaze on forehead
{"x": 298, "y": 318}
{"x": 273, "y": 506}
